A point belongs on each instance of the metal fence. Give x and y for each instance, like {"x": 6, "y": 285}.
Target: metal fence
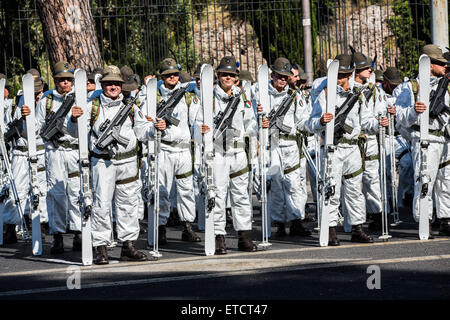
{"x": 140, "y": 33}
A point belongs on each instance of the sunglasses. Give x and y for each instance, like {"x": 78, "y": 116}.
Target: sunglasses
{"x": 224, "y": 75}
{"x": 111, "y": 83}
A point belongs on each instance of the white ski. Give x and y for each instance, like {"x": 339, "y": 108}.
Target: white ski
{"x": 264, "y": 100}
{"x": 2, "y": 120}
{"x": 153, "y": 146}
{"x": 206, "y": 168}
{"x": 98, "y": 86}
{"x": 384, "y": 201}
{"x": 329, "y": 183}
{"x": 28, "y": 95}
{"x": 85, "y": 199}
{"x": 424, "y": 96}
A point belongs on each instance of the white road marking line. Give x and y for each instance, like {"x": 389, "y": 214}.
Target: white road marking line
{"x": 223, "y": 274}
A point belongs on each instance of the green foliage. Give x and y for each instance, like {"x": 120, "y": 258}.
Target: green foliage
{"x": 403, "y": 24}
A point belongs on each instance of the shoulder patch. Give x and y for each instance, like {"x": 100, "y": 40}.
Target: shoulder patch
{"x": 247, "y": 104}
{"x": 195, "y": 99}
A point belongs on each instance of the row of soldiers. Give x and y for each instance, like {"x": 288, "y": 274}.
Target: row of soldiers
{"x": 119, "y": 181}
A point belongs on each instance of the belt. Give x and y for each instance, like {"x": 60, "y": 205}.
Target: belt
{"x": 287, "y": 171}
{"x": 25, "y": 148}
{"x": 240, "y": 172}
{"x": 354, "y": 174}
{"x": 177, "y": 144}
{"x": 348, "y": 141}
{"x": 288, "y": 137}
{"x": 184, "y": 175}
{"x": 118, "y": 156}
{"x": 237, "y": 144}
{"x": 437, "y": 133}
{"x": 68, "y": 145}
{"x": 373, "y": 157}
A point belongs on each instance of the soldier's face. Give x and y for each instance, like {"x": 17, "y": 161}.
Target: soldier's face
{"x": 227, "y": 80}
{"x": 438, "y": 69}
{"x": 197, "y": 82}
{"x": 171, "y": 79}
{"x": 63, "y": 85}
{"x": 343, "y": 79}
{"x": 6, "y": 93}
{"x": 279, "y": 81}
{"x": 90, "y": 86}
{"x": 112, "y": 89}
{"x": 292, "y": 80}
{"x": 364, "y": 74}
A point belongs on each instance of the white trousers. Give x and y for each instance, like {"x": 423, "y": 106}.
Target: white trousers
{"x": 371, "y": 178}
{"x": 20, "y": 170}
{"x": 287, "y": 195}
{"x": 63, "y": 189}
{"x": 347, "y": 161}
{"x": 438, "y": 155}
{"x": 124, "y": 196}
{"x": 171, "y": 165}
{"x": 241, "y": 208}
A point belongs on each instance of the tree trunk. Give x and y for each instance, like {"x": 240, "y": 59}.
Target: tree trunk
{"x": 69, "y": 33}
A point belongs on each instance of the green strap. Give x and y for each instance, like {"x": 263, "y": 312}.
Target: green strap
{"x": 287, "y": 171}
{"x": 128, "y": 180}
{"x": 95, "y": 111}
{"x": 184, "y": 175}
{"x": 446, "y": 163}
{"x": 25, "y": 148}
{"x": 288, "y": 137}
{"x": 68, "y": 145}
{"x": 354, "y": 174}
{"x": 118, "y": 156}
{"x": 73, "y": 174}
{"x": 371, "y": 158}
{"x": 240, "y": 172}
{"x": 348, "y": 141}
{"x": 49, "y": 102}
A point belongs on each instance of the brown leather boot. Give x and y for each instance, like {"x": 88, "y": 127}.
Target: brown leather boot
{"x": 57, "y": 244}
{"x": 297, "y": 229}
{"x": 245, "y": 243}
{"x": 281, "y": 230}
{"x": 76, "y": 244}
{"x": 129, "y": 253}
{"x": 188, "y": 233}
{"x": 444, "y": 228}
{"x": 358, "y": 235}
{"x": 375, "y": 224}
{"x": 162, "y": 240}
{"x": 10, "y": 236}
{"x": 220, "y": 245}
{"x": 102, "y": 256}
{"x": 333, "y": 240}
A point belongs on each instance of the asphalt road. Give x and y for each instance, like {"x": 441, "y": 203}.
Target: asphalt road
{"x": 293, "y": 268}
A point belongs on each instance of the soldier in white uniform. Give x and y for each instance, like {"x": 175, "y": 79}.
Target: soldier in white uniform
{"x": 347, "y": 164}
{"x": 231, "y": 169}
{"x": 408, "y": 109}
{"x": 114, "y": 175}
{"x": 287, "y": 194}
{"x": 20, "y": 167}
{"x": 61, "y": 160}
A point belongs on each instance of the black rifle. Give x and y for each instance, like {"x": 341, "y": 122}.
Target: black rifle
{"x": 54, "y": 121}
{"x": 342, "y": 112}
{"x": 13, "y": 130}
{"x": 223, "y": 120}
{"x": 276, "y": 117}
{"x": 110, "y": 129}
{"x": 165, "y": 108}
{"x": 437, "y": 103}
